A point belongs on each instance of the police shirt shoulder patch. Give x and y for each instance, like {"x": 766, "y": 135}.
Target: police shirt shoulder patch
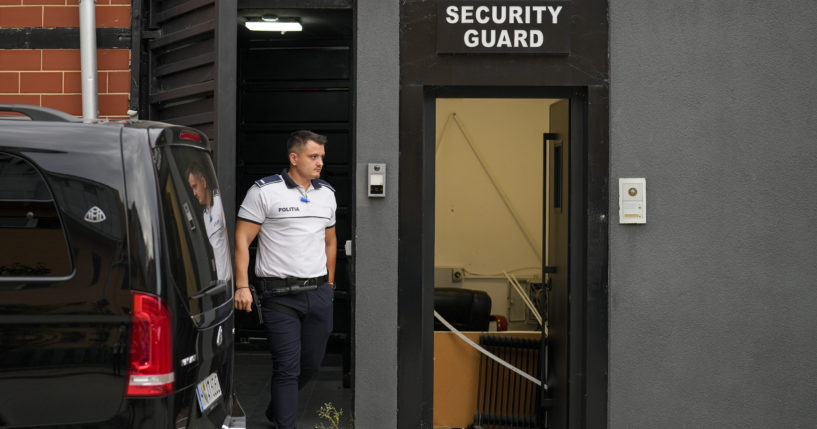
{"x": 269, "y": 179}
{"x": 322, "y": 182}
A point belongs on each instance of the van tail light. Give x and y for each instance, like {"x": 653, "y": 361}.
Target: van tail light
{"x": 150, "y": 370}
{"x": 189, "y": 135}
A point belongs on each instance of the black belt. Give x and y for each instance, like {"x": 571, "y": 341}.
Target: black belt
{"x": 290, "y": 285}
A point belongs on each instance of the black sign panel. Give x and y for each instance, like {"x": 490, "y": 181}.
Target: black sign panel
{"x": 499, "y": 27}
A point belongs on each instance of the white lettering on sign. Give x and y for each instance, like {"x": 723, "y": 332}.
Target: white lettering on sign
{"x": 451, "y": 14}
{"x": 467, "y": 15}
{"x": 482, "y": 15}
{"x": 503, "y": 26}
{"x": 502, "y": 38}
{"x": 502, "y": 14}
{"x": 555, "y": 13}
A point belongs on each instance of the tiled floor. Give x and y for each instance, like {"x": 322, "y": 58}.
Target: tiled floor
{"x": 252, "y": 378}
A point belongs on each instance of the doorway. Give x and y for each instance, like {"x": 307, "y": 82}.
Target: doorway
{"x": 501, "y": 260}
{"x": 583, "y": 375}
{"x": 288, "y": 81}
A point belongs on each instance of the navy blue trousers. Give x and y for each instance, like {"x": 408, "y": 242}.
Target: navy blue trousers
{"x": 297, "y": 344}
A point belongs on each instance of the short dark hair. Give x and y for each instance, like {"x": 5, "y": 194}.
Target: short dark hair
{"x": 298, "y": 139}
{"x": 197, "y": 169}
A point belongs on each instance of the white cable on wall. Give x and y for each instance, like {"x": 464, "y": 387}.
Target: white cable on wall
{"x": 525, "y": 298}
{"x": 502, "y": 195}
{"x": 487, "y": 353}
{"x": 442, "y": 133}
{"x": 470, "y": 274}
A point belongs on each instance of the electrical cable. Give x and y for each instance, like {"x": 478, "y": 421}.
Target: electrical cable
{"x": 491, "y": 177}
{"x": 518, "y": 288}
{"x": 500, "y": 274}
{"x": 487, "y": 353}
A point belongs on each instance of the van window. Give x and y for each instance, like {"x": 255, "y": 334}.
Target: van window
{"x": 196, "y": 233}
{"x": 32, "y": 236}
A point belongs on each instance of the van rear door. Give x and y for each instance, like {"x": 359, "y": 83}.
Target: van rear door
{"x": 63, "y": 274}
{"x": 199, "y": 268}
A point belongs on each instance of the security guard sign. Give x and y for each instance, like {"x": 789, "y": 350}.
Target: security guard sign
{"x": 503, "y": 27}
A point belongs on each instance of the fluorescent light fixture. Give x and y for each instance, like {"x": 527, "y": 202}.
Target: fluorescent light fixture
{"x": 273, "y": 24}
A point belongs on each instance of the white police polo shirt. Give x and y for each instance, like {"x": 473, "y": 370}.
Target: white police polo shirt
{"x": 214, "y": 226}
{"x": 292, "y": 239}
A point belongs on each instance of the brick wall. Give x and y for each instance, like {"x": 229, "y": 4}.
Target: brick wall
{"x": 51, "y": 77}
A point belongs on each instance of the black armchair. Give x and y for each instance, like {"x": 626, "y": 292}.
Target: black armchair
{"x": 465, "y": 309}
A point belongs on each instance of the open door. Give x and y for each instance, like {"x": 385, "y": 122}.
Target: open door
{"x": 556, "y": 237}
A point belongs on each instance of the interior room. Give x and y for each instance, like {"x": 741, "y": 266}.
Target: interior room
{"x": 493, "y": 156}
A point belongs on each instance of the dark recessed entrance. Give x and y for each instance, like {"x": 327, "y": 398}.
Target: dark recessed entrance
{"x": 288, "y": 81}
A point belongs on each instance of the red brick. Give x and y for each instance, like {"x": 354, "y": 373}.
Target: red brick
{"x": 102, "y": 82}
{"x": 72, "y": 82}
{"x": 10, "y": 2}
{"x": 61, "y": 59}
{"x": 119, "y": 81}
{"x": 98, "y": 2}
{"x": 61, "y": 16}
{"x": 71, "y": 104}
{"x": 41, "y": 82}
{"x": 20, "y": 59}
{"x": 113, "y": 104}
{"x": 113, "y": 16}
{"x": 9, "y": 82}
{"x": 21, "y": 16}
{"x": 113, "y": 59}
{"x": 127, "y": 2}
{"x": 43, "y": 2}
{"x": 19, "y": 99}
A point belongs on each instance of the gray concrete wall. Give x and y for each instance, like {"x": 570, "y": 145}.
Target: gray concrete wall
{"x": 375, "y": 303}
{"x": 713, "y": 303}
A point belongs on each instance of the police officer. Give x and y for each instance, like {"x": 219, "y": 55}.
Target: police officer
{"x": 293, "y": 214}
{"x": 206, "y": 192}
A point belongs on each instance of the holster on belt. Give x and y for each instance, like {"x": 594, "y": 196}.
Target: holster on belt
{"x": 289, "y": 285}
{"x": 257, "y": 303}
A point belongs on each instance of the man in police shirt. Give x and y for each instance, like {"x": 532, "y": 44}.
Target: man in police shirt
{"x": 209, "y": 198}
{"x": 294, "y": 212}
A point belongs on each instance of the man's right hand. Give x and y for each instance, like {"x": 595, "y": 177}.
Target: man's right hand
{"x": 243, "y": 299}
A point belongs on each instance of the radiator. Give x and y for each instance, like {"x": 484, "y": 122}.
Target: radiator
{"x": 505, "y": 399}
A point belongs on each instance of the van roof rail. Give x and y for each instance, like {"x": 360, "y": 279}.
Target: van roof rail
{"x": 38, "y": 113}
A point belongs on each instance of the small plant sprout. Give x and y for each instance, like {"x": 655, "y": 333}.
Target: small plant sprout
{"x": 331, "y": 414}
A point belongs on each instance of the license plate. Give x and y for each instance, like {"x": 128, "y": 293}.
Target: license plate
{"x": 208, "y": 391}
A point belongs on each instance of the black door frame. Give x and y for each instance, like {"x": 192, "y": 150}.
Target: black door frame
{"x": 588, "y": 196}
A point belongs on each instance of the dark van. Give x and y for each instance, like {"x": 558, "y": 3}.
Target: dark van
{"x": 116, "y": 286}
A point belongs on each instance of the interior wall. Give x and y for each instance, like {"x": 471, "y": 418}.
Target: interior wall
{"x": 475, "y": 229}
{"x": 712, "y": 302}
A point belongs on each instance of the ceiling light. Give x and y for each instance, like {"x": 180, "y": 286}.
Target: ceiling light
{"x": 272, "y": 23}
